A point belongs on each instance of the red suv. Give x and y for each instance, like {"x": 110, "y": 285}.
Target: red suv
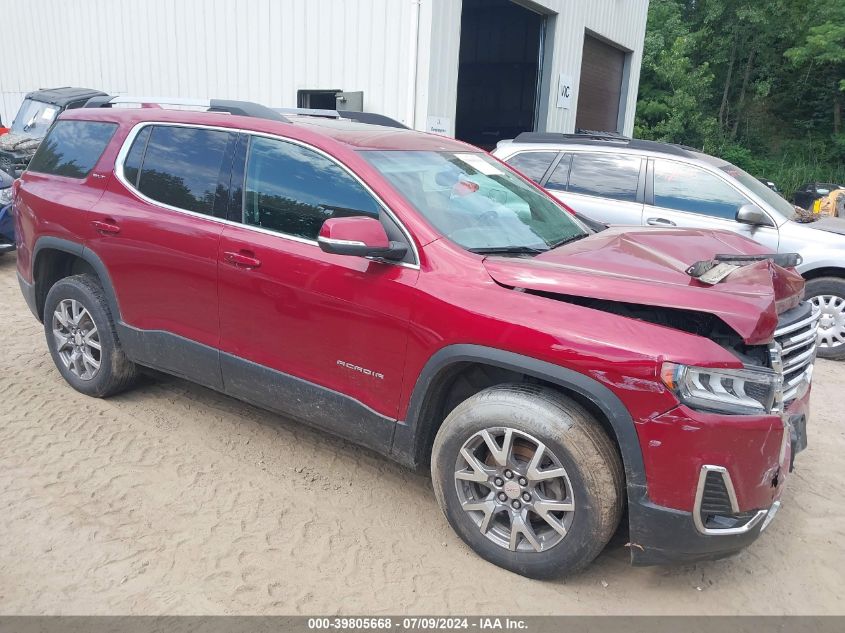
{"x": 418, "y": 297}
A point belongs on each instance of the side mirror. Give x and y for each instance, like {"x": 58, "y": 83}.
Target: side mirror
{"x": 359, "y": 236}
{"x": 750, "y": 214}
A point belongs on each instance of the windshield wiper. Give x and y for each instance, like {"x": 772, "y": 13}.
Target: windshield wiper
{"x": 567, "y": 240}
{"x": 508, "y": 250}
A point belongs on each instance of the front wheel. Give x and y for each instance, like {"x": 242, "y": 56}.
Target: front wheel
{"x": 528, "y": 479}
{"x": 828, "y": 295}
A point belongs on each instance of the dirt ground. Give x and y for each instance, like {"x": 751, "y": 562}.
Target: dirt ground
{"x": 173, "y": 499}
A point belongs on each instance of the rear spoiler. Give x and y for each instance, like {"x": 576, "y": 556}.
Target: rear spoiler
{"x": 712, "y": 271}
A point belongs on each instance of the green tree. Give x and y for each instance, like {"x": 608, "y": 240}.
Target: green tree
{"x": 757, "y": 82}
{"x": 672, "y": 85}
{"x": 822, "y": 52}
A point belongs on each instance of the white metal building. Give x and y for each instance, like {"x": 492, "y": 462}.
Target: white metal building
{"x": 479, "y": 69}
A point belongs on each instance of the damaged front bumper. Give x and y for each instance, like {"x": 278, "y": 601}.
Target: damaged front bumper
{"x": 732, "y": 496}
{"x": 661, "y": 535}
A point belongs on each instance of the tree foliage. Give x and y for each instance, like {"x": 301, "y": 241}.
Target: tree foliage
{"x": 758, "y": 82}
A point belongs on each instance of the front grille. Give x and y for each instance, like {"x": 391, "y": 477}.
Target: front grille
{"x": 715, "y": 498}
{"x": 797, "y": 336}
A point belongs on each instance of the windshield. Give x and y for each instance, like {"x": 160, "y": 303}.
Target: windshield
{"x": 35, "y": 118}
{"x": 771, "y": 198}
{"x": 477, "y": 202}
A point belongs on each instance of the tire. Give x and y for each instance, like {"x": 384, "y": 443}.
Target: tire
{"x": 828, "y": 294}
{"x": 70, "y": 296}
{"x": 572, "y": 439}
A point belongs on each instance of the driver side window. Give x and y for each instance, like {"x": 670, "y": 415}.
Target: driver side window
{"x": 292, "y": 190}
{"x": 691, "y": 189}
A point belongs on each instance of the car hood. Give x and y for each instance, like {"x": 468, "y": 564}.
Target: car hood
{"x": 16, "y": 142}
{"x": 647, "y": 266}
{"x": 830, "y": 225}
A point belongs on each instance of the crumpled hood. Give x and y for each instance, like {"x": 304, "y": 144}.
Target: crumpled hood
{"x": 17, "y": 142}
{"x": 647, "y": 266}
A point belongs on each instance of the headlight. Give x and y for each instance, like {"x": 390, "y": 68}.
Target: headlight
{"x": 5, "y": 196}
{"x": 748, "y": 391}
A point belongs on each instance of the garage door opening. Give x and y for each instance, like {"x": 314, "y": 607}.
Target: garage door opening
{"x": 499, "y": 71}
{"x": 600, "y": 90}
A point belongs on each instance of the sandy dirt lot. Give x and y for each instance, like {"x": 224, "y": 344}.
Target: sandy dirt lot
{"x": 175, "y": 499}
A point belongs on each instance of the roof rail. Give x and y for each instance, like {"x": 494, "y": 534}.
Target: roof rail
{"x": 373, "y": 119}
{"x": 239, "y": 108}
{"x": 559, "y": 137}
{"x": 601, "y": 134}
{"x": 603, "y": 139}
{"x": 328, "y": 114}
{"x": 370, "y": 118}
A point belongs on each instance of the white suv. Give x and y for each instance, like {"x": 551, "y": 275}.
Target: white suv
{"x": 615, "y": 180}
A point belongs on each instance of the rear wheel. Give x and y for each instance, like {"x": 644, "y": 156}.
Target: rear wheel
{"x": 828, "y": 295}
{"x": 82, "y": 339}
{"x": 528, "y": 479}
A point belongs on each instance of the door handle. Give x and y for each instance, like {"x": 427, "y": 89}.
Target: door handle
{"x": 242, "y": 259}
{"x": 106, "y": 227}
{"x": 659, "y": 222}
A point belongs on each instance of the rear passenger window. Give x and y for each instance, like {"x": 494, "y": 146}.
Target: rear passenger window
{"x": 293, "y": 190}
{"x": 132, "y": 163}
{"x": 532, "y": 164}
{"x": 182, "y": 167}
{"x": 605, "y": 176}
{"x": 694, "y": 190}
{"x": 72, "y": 148}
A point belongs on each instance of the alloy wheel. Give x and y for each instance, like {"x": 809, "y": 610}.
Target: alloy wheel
{"x": 77, "y": 339}
{"x": 831, "y": 321}
{"x": 514, "y": 489}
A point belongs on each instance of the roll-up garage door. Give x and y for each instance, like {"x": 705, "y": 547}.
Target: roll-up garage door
{"x": 600, "y": 90}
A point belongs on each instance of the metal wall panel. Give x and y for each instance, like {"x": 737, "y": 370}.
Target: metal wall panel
{"x": 260, "y": 50}
{"x": 441, "y": 45}
{"x": 619, "y": 22}
{"x": 265, "y": 50}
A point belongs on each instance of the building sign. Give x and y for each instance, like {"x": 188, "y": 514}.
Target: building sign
{"x": 438, "y": 125}
{"x": 564, "y": 91}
